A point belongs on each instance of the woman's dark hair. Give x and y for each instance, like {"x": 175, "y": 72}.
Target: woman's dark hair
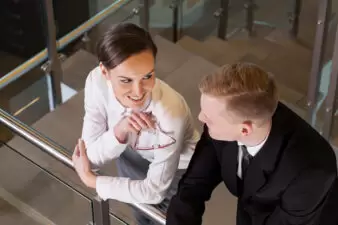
{"x": 122, "y": 41}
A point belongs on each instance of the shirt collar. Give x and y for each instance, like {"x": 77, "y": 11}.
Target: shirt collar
{"x": 253, "y": 150}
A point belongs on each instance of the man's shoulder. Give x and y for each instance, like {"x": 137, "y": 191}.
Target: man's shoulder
{"x": 298, "y": 132}
{"x": 305, "y": 148}
{"x": 297, "y": 145}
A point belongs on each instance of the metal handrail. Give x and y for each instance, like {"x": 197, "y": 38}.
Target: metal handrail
{"x": 35, "y": 138}
{"x": 61, "y": 43}
{"x": 60, "y": 153}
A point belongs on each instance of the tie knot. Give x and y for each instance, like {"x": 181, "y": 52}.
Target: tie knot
{"x": 245, "y": 151}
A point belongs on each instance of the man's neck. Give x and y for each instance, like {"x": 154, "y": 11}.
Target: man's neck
{"x": 258, "y": 135}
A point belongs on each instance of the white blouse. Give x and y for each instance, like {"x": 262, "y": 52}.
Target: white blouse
{"x": 167, "y": 148}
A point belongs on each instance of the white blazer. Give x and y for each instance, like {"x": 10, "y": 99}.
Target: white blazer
{"x": 168, "y": 148}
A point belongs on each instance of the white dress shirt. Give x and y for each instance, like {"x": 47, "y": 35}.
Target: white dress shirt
{"x": 167, "y": 148}
{"x": 253, "y": 150}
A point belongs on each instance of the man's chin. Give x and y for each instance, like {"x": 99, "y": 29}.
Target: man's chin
{"x": 218, "y": 137}
{"x": 213, "y": 135}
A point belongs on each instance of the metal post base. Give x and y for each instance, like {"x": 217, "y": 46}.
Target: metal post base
{"x": 100, "y": 211}
{"x": 253, "y": 32}
{"x": 250, "y": 26}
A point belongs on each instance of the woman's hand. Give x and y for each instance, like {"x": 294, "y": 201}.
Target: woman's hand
{"x": 133, "y": 124}
{"x": 82, "y": 165}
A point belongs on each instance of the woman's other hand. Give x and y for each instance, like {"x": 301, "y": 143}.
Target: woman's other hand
{"x": 82, "y": 165}
{"x": 133, "y": 124}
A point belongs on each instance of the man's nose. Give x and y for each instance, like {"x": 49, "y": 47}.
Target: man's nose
{"x": 201, "y": 117}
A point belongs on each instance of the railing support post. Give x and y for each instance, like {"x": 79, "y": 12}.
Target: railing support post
{"x": 100, "y": 211}
{"x": 331, "y": 102}
{"x": 318, "y": 58}
{"x": 144, "y": 14}
{"x": 55, "y": 74}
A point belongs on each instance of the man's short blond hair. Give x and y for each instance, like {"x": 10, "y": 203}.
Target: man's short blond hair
{"x": 250, "y": 92}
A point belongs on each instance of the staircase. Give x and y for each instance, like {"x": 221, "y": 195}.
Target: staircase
{"x": 179, "y": 65}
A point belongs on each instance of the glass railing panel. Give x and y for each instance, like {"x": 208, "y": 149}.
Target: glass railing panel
{"x": 161, "y": 18}
{"x": 312, "y": 36}
{"x": 115, "y": 220}
{"x": 281, "y": 45}
{"x": 96, "y": 6}
{"x": 65, "y": 17}
{"x": 27, "y": 97}
{"x": 327, "y": 105}
{"x": 196, "y": 18}
{"x": 22, "y": 32}
{"x": 32, "y": 195}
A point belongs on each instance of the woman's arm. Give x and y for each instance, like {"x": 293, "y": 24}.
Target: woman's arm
{"x": 100, "y": 140}
{"x": 153, "y": 189}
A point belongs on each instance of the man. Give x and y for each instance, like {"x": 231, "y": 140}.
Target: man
{"x": 279, "y": 167}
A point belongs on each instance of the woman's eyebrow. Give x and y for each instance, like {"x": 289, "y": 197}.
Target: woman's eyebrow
{"x": 143, "y": 75}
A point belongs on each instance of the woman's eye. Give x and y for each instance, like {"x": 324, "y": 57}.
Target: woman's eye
{"x": 147, "y": 77}
{"x": 125, "y": 81}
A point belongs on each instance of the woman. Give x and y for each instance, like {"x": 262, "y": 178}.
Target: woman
{"x": 135, "y": 118}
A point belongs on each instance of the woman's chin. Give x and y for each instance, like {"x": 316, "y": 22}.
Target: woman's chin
{"x": 135, "y": 104}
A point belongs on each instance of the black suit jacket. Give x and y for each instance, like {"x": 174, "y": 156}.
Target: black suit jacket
{"x": 292, "y": 179}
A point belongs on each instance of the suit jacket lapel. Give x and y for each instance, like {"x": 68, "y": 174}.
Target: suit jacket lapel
{"x": 261, "y": 166}
{"x": 228, "y": 157}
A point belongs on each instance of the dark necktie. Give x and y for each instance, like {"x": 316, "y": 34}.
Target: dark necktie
{"x": 245, "y": 160}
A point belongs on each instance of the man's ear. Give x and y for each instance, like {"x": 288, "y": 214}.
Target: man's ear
{"x": 246, "y": 128}
{"x": 104, "y": 71}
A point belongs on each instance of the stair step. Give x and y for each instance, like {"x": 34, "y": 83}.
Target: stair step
{"x": 234, "y": 50}
{"x": 230, "y": 53}
{"x": 282, "y": 38}
{"x": 11, "y": 214}
{"x": 169, "y": 57}
{"x": 77, "y": 67}
{"x": 199, "y": 48}
{"x": 288, "y": 70}
{"x": 273, "y": 57}
{"x": 185, "y": 80}
{"x": 37, "y": 194}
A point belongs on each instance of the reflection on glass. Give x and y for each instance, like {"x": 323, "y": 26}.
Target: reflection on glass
{"x": 22, "y": 32}
{"x": 29, "y": 194}
{"x": 115, "y": 220}
{"x": 197, "y": 19}
{"x": 27, "y": 97}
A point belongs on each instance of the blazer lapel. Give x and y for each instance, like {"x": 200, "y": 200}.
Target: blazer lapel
{"x": 261, "y": 166}
{"x": 228, "y": 157}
